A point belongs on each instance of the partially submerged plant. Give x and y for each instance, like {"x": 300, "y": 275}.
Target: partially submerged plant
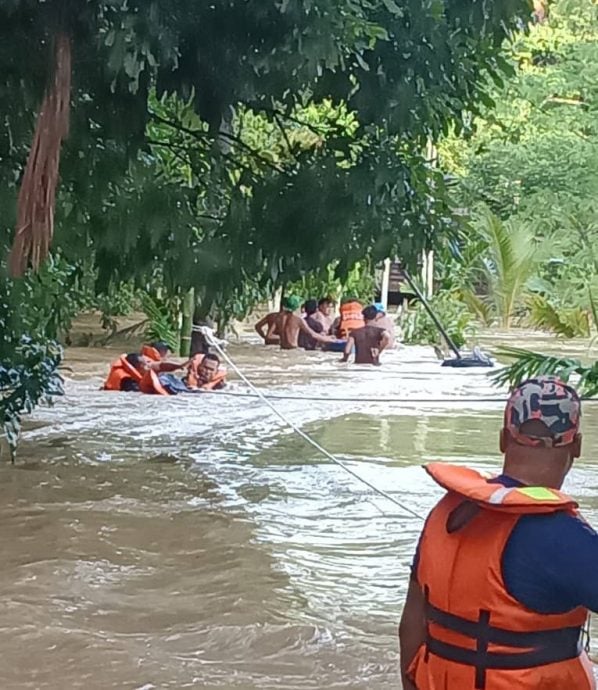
{"x": 529, "y": 364}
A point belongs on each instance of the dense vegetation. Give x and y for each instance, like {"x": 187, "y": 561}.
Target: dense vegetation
{"x": 217, "y": 151}
{"x": 525, "y": 174}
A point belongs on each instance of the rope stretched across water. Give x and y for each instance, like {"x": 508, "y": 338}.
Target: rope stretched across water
{"x": 406, "y": 401}
{"x": 211, "y": 340}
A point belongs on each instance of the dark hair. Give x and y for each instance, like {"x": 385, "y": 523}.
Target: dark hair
{"x": 325, "y": 300}
{"x": 133, "y": 359}
{"x": 161, "y": 346}
{"x": 370, "y": 313}
{"x": 212, "y": 356}
{"x": 311, "y": 307}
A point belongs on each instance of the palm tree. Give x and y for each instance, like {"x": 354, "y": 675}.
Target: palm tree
{"x": 509, "y": 261}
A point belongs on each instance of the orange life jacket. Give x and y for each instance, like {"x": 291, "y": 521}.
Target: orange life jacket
{"x": 151, "y": 353}
{"x": 479, "y": 637}
{"x": 192, "y": 378}
{"x": 120, "y": 370}
{"x": 350, "y": 319}
{"x": 150, "y": 383}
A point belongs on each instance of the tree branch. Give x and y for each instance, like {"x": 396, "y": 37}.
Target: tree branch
{"x": 284, "y": 134}
{"x": 256, "y": 154}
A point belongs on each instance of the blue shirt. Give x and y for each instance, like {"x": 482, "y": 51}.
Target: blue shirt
{"x": 550, "y": 562}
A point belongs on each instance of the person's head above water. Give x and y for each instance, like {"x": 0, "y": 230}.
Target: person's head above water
{"x": 139, "y": 362}
{"x": 291, "y": 303}
{"x": 311, "y": 307}
{"x": 208, "y": 368}
{"x": 540, "y": 438}
{"x": 162, "y": 348}
{"x": 325, "y": 305}
{"x": 370, "y": 313}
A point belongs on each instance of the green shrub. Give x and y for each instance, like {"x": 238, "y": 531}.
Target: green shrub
{"x": 418, "y": 327}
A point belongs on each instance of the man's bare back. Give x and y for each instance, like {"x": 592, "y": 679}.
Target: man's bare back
{"x": 368, "y": 340}
{"x": 267, "y": 329}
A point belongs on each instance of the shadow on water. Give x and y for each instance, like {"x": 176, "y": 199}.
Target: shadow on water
{"x": 196, "y": 542}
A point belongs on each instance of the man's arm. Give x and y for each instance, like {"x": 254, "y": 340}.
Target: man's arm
{"x": 412, "y": 630}
{"x": 166, "y": 367}
{"x": 384, "y": 340}
{"x": 259, "y": 327}
{"x": 316, "y": 336}
{"x": 348, "y": 349}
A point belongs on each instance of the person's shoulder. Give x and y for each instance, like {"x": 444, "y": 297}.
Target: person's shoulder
{"x": 561, "y": 526}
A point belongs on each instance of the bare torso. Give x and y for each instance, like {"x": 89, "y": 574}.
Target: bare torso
{"x": 367, "y": 344}
{"x": 288, "y": 326}
{"x": 325, "y": 320}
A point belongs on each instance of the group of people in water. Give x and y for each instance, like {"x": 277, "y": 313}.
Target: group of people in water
{"x": 151, "y": 371}
{"x": 312, "y": 324}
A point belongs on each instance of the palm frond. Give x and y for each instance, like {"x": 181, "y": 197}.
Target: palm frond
{"x": 160, "y": 323}
{"x": 510, "y": 257}
{"x": 528, "y": 364}
{"x": 478, "y": 306}
{"x": 567, "y": 322}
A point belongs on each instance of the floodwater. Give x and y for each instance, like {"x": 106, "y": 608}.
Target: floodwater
{"x": 195, "y": 542}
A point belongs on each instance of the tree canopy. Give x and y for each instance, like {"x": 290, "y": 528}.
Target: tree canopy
{"x": 407, "y": 70}
{"x": 229, "y": 146}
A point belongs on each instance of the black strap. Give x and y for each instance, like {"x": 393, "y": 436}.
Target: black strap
{"x": 494, "y": 635}
{"x": 500, "y": 660}
{"x": 542, "y": 647}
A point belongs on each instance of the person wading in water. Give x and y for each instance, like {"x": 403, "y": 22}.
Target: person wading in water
{"x": 505, "y": 570}
{"x": 289, "y": 325}
{"x": 369, "y": 340}
{"x": 266, "y": 328}
{"x": 306, "y": 341}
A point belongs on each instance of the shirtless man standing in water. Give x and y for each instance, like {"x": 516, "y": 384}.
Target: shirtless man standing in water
{"x": 269, "y": 336}
{"x": 289, "y": 325}
{"x": 369, "y": 340}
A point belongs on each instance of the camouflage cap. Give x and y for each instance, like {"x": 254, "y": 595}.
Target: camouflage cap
{"x": 552, "y": 402}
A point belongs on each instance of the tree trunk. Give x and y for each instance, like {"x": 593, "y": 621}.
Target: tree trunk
{"x": 187, "y": 323}
{"x": 35, "y": 207}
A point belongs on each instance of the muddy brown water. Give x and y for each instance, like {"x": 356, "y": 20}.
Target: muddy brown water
{"x": 194, "y": 542}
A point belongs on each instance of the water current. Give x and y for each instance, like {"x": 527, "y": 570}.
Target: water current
{"x": 195, "y": 542}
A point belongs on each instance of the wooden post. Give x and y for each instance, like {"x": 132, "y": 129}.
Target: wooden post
{"x": 430, "y": 274}
{"x": 385, "y": 284}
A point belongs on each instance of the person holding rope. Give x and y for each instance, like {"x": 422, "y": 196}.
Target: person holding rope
{"x": 505, "y": 570}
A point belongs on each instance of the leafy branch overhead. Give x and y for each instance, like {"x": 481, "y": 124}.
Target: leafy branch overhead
{"x": 404, "y": 68}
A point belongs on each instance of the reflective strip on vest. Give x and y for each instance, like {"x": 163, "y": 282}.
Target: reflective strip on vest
{"x": 499, "y": 495}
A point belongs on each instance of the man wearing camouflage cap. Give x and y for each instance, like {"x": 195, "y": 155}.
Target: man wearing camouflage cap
{"x": 505, "y": 570}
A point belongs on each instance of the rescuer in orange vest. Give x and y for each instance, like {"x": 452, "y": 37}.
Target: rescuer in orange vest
{"x": 505, "y": 570}
{"x": 126, "y": 373}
